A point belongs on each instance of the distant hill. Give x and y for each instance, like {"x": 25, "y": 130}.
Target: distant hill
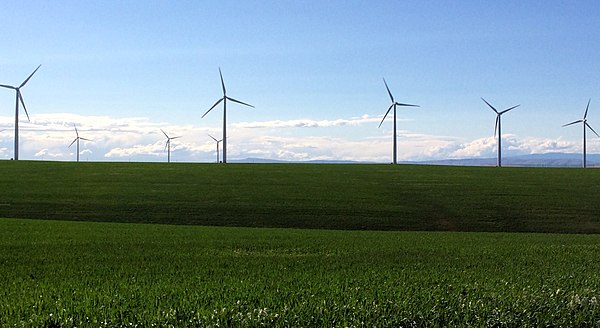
{"x": 275, "y": 161}
{"x": 532, "y": 160}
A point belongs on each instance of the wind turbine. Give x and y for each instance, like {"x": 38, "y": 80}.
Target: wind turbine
{"x": 393, "y": 105}
{"x": 77, "y": 140}
{"x": 498, "y": 128}
{"x": 585, "y": 124}
{"x": 224, "y": 100}
{"x": 217, "y": 141}
{"x": 168, "y": 145}
{"x": 19, "y": 97}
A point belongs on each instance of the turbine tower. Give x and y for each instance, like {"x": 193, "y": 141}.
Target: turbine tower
{"x": 393, "y": 105}
{"x": 585, "y": 124}
{"x": 498, "y": 128}
{"x": 77, "y": 140}
{"x": 217, "y": 141}
{"x": 224, "y": 100}
{"x": 168, "y": 146}
{"x": 19, "y": 98}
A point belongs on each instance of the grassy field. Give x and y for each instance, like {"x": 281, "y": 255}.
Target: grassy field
{"x": 82, "y": 274}
{"x": 262, "y": 270}
{"x": 359, "y": 197}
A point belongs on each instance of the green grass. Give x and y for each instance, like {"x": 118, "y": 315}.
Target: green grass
{"x": 57, "y": 273}
{"x": 361, "y": 197}
{"x": 82, "y": 274}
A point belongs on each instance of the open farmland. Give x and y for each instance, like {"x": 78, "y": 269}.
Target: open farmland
{"x": 365, "y": 197}
{"x": 67, "y": 274}
{"x": 62, "y": 273}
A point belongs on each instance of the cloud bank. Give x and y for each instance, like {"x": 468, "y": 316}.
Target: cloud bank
{"x": 140, "y": 139}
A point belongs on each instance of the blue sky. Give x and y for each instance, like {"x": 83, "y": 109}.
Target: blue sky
{"x": 123, "y": 70}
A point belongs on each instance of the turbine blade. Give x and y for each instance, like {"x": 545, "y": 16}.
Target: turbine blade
{"x": 84, "y": 139}
{"x": 73, "y": 142}
{"x": 165, "y": 133}
{"x": 8, "y": 86}
{"x": 496, "y": 125}
{"x": 239, "y": 102}
{"x": 26, "y": 80}
{"x": 506, "y": 110}
{"x": 388, "y": 90}
{"x": 492, "y": 107}
{"x": 222, "y": 83}
{"x": 213, "y": 138}
{"x": 586, "y": 109}
{"x": 167, "y": 143}
{"x": 575, "y": 122}
{"x": 175, "y": 137}
{"x": 213, "y": 106}
{"x": 23, "y": 103}
{"x": 589, "y": 126}
{"x": 386, "y": 113}
{"x": 407, "y": 105}
{"x": 76, "y": 132}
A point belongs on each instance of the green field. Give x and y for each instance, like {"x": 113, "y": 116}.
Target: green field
{"x": 68, "y": 274}
{"x": 253, "y": 261}
{"x": 371, "y": 197}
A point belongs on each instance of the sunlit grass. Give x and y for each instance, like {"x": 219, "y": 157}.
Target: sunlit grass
{"x": 105, "y": 274}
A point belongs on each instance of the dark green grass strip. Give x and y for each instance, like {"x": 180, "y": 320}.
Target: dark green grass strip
{"x": 373, "y": 197}
{"x": 82, "y": 274}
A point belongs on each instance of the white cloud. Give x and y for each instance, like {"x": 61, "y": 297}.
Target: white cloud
{"x": 45, "y": 153}
{"x": 140, "y": 139}
{"x": 307, "y": 123}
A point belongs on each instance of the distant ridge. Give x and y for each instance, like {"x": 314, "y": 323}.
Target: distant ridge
{"x": 316, "y": 161}
{"x": 532, "y": 160}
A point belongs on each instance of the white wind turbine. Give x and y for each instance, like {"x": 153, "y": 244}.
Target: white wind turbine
{"x": 393, "y": 105}
{"x": 224, "y": 100}
{"x": 585, "y": 125}
{"x": 77, "y": 140}
{"x": 217, "y": 141}
{"x": 168, "y": 146}
{"x": 498, "y": 128}
{"x": 19, "y": 98}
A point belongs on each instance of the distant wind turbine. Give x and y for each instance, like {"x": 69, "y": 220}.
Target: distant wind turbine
{"x": 498, "y": 128}
{"x": 217, "y": 141}
{"x": 19, "y": 98}
{"x": 393, "y": 105}
{"x": 168, "y": 146}
{"x": 224, "y": 100}
{"x": 585, "y": 124}
{"x": 77, "y": 140}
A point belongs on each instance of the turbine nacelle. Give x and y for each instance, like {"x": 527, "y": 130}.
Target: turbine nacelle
{"x": 498, "y": 114}
{"x": 78, "y": 137}
{"x": 584, "y": 120}
{"x": 394, "y": 103}
{"x": 213, "y": 138}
